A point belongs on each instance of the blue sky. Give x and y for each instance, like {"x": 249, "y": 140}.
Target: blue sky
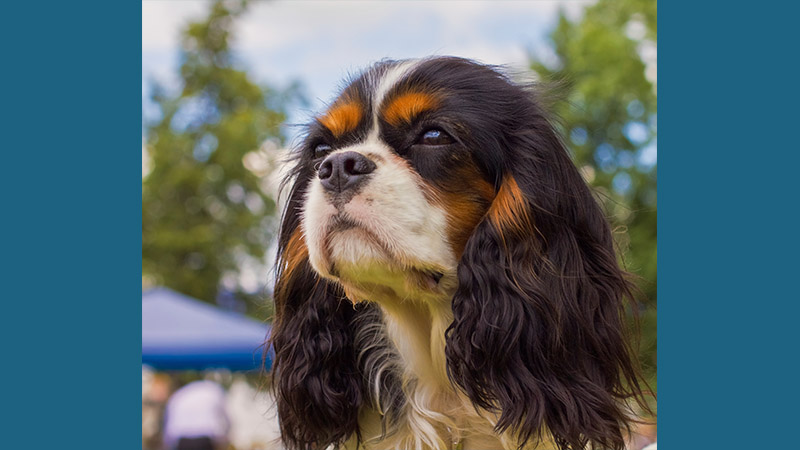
{"x": 320, "y": 42}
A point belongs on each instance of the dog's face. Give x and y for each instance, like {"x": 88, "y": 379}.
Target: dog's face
{"x": 401, "y": 178}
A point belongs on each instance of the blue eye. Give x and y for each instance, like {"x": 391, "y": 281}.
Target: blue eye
{"x": 321, "y": 150}
{"x": 435, "y": 136}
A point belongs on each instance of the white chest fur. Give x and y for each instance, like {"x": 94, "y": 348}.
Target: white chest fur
{"x": 436, "y": 415}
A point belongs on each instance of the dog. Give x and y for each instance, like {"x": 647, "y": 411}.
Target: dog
{"x": 445, "y": 278}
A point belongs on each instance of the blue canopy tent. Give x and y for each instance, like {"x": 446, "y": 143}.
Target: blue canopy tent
{"x": 182, "y": 333}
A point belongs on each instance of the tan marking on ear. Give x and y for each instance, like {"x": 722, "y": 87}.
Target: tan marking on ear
{"x": 295, "y": 254}
{"x": 405, "y": 107}
{"x": 342, "y": 117}
{"x": 510, "y": 210}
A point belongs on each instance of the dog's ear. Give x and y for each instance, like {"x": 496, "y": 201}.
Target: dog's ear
{"x": 319, "y": 391}
{"x": 539, "y": 330}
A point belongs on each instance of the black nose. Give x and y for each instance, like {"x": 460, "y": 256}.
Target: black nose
{"x": 342, "y": 171}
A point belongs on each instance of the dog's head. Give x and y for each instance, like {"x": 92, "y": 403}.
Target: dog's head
{"x": 442, "y": 180}
{"x": 403, "y": 167}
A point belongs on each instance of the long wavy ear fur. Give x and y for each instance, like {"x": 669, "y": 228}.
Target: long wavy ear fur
{"x": 319, "y": 390}
{"x": 539, "y": 333}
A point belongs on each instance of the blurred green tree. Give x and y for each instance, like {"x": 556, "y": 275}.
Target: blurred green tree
{"x": 203, "y": 211}
{"x": 604, "y": 67}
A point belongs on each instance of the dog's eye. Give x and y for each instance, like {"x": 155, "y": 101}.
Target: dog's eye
{"x": 435, "y": 136}
{"x": 321, "y": 150}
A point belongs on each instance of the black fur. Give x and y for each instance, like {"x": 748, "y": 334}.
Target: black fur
{"x": 319, "y": 391}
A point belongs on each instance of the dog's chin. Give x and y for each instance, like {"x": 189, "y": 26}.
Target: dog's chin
{"x": 368, "y": 268}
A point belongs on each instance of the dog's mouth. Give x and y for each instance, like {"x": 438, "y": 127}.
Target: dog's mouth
{"x": 346, "y": 242}
{"x": 346, "y": 228}
{"x": 339, "y": 223}
{"x": 382, "y": 265}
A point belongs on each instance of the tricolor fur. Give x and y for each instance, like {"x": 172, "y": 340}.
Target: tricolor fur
{"x": 462, "y": 288}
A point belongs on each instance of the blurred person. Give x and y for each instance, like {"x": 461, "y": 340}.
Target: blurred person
{"x": 196, "y": 418}
{"x": 253, "y": 416}
{"x": 156, "y": 388}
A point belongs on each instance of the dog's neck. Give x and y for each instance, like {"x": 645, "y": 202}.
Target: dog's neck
{"x": 435, "y": 410}
{"x": 438, "y": 415}
{"x": 416, "y": 313}
{"x": 417, "y": 329}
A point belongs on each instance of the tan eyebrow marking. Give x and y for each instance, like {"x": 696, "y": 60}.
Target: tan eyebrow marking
{"x": 342, "y": 118}
{"x": 405, "y": 107}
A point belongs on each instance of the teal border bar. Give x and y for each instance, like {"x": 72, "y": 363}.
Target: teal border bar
{"x": 71, "y": 221}
{"x": 727, "y": 229}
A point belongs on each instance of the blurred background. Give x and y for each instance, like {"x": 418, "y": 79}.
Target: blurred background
{"x": 226, "y": 87}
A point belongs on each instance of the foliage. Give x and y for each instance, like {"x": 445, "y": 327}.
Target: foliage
{"x": 203, "y": 211}
{"x": 609, "y": 119}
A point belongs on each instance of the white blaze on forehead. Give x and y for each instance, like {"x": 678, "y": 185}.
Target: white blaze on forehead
{"x": 389, "y": 79}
